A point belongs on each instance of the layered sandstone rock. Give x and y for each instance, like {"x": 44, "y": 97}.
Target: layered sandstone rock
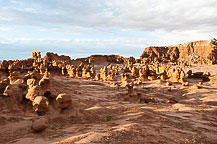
{"x": 203, "y": 52}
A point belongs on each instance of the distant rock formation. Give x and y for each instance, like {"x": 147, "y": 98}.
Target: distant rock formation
{"x": 53, "y": 61}
{"x": 202, "y": 52}
{"x": 103, "y": 59}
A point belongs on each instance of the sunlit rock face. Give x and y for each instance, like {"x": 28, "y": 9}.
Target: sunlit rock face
{"x": 203, "y": 51}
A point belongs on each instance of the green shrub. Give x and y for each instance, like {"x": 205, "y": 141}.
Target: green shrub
{"x": 108, "y": 117}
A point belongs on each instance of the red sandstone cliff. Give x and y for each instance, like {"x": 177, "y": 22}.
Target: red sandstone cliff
{"x": 203, "y": 51}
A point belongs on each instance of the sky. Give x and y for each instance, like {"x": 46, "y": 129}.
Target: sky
{"x": 79, "y": 28}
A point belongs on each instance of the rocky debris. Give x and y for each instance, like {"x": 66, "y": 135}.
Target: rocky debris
{"x": 40, "y": 124}
{"x": 64, "y": 100}
{"x": 202, "y": 52}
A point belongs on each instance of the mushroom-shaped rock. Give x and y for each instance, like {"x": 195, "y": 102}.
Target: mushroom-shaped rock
{"x": 33, "y": 92}
{"x": 63, "y": 100}
{"x": 40, "y": 104}
{"x": 40, "y": 124}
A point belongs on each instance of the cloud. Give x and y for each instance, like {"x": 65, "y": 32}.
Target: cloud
{"x": 86, "y": 24}
{"x": 146, "y": 15}
{"x": 4, "y": 29}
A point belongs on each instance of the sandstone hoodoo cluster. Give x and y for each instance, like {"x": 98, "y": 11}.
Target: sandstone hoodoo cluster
{"x": 57, "y": 90}
{"x": 202, "y": 52}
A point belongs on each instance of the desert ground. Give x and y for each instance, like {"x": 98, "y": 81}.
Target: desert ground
{"x": 100, "y": 112}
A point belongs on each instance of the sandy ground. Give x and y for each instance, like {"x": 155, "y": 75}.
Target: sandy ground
{"x": 175, "y": 114}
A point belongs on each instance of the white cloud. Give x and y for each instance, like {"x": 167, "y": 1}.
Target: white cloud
{"x": 4, "y": 29}
{"x": 168, "y": 21}
{"x": 148, "y": 15}
{"x": 3, "y": 18}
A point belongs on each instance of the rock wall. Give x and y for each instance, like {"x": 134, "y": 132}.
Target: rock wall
{"x": 203, "y": 51}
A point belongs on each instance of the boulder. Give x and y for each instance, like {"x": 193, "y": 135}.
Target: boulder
{"x": 33, "y": 92}
{"x": 14, "y": 90}
{"x": 40, "y": 104}
{"x": 63, "y": 100}
{"x": 40, "y": 124}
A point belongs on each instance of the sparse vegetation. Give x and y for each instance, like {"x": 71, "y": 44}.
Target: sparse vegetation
{"x": 108, "y": 117}
{"x": 52, "y": 127}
